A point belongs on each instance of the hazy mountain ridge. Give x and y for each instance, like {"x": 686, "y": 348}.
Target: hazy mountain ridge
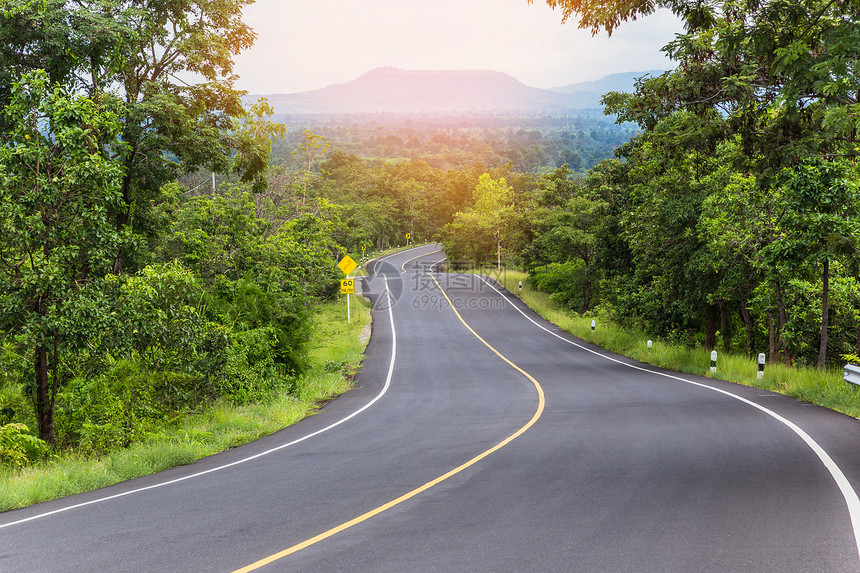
{"x": 393, "y": 90}
{"x": 622, "y": 82}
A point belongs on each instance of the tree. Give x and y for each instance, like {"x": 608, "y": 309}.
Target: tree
{"x": 311, "y": 150}
{"x": 57, "y": 187}
{"x": 253, "y": 144}
{"x": 596, "y": 15}
{"x": 823, "y": 221}
{"x": 493, "y": 208}
{"x": 477, "y": 231}
{"x": 171, "y": 63}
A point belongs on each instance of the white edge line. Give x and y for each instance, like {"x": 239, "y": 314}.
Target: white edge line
{"x": 845, "y": 487}
{"x": 437, "y": 262}
{"x": 243, "y": 460}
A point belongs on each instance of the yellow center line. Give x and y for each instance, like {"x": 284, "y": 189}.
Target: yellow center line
{"x": 403, "y": 266}
{"x": 365, "y": 516}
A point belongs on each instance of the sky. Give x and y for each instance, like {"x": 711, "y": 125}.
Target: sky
{"x": 309, "y": 44}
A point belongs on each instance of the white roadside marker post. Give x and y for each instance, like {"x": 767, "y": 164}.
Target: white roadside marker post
{"x": 761, "y": 361}
{"x": 713, "y": 360}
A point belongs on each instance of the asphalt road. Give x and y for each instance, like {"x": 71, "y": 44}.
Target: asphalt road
{"x": 494, "y": 443}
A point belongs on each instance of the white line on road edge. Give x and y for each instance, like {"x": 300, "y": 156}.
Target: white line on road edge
{"x": 243, "y": 460}
{"x": 437, "y": 262}
{"x": 845, "y": 487}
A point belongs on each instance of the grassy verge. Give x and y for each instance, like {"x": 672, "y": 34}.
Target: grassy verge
{"x": 804, "y": 383}
{"x": 337, "y": 349}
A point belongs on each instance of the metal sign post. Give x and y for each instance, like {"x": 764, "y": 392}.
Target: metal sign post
{"x": 347, "y": 285}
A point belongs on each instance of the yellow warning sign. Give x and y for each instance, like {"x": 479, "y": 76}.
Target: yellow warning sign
{"x": 347, "y": 286}
{"x": 347, "y": 265}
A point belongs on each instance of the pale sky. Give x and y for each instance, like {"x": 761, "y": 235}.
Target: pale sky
{"x": 309, "y": 44}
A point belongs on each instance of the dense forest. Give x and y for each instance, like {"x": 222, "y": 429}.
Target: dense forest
{"x": 164, "y": 244}
{"x": 579, "y": 140}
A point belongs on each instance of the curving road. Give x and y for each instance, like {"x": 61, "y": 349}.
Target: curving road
{"x": 485, "y": 440}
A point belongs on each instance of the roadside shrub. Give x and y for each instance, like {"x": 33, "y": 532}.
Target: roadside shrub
{"x": 109, "y": 411}
{"x": 246, "y": 305}
{"x": 252, "y": 371}
{"x": 15, "y": 406}
{"x": 18, "y": 447}
{"x": 566, "y": 283}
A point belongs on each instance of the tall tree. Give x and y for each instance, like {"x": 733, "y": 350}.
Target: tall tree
{"x": 57, "y": 187}
{"x": 168, "y": 65}
{"x": 823, "y": 221}
{"x": 493, "y": 208}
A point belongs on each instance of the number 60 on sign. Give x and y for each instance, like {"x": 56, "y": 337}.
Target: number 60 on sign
{"x": 347, "y": 286}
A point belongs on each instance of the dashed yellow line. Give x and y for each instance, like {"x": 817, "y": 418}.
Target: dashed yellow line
{"x": 428, "y": 485}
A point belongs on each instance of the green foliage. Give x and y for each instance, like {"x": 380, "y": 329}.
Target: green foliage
{"x": 131, "y": 57}
{"x": 608, "y": 16}
{"x": 452, "y": 145}
{"x": 123, "y": 301}
{"x": 254, "y": 144}
{"x": 734, "y": 212}
{"x": 18, "y": 447}
{"x": 108, "y": 412}
{"x": 56, "y": 189}
{"x": 161, "y": 322}
{"x": 272, "y": 318}
{"x": 215, "y": 236}
{"x": 477, "y": 233}
{"x": 255, "y": 367}
{"x": 565, "y": 281}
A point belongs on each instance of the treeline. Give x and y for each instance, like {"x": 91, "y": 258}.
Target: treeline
{"x": 528, "y": 145}
{"x": 733, "y": 218}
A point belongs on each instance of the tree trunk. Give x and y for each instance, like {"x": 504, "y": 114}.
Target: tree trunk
{"x": 857, "y": 346}
{"x": 745, "y": 315}
{"x": 771, "y": 340}
{"x": 724, "y": 326}
{"x": 44, "y": 397}
{"x": 711, "y": 327}
{"x": 586, "y": 294}
{"x": 825, "y": 309}
{"x": 780, "y": 343}
{"x": 123, "y": 216}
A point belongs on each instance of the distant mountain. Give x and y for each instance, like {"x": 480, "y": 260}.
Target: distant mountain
{"x": 392, "y": 90}
{"x": 623, "y": 82}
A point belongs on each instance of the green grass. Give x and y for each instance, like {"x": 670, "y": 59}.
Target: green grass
{"x": 337, "y": 349}
{"x": 826, "y": 388}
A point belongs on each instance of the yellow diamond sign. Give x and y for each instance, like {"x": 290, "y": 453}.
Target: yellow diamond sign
{"x": 347, "y": 265}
